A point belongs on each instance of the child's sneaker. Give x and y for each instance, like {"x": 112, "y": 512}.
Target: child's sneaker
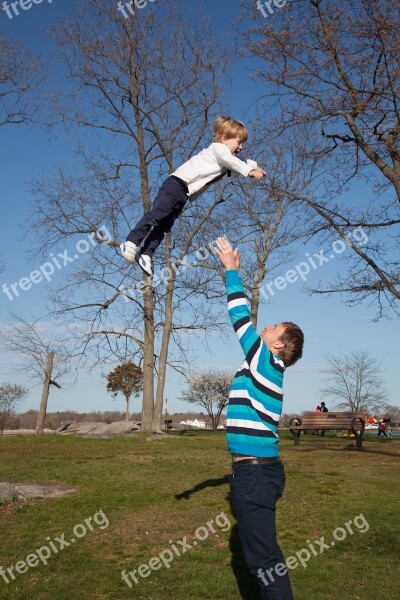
{"x": 145, "y": 263}
{"x": 128, "y": 251}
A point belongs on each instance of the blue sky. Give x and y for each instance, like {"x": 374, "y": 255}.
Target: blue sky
{"x": 329, "y": 325}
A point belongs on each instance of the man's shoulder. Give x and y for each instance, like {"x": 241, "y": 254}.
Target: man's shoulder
{"x": 276, "y": 362}
{"x": 272, "y": 364}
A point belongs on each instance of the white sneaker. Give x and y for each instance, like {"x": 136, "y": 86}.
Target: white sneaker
{"x": 145, "y": 263}
{"x": 128, "y": 251}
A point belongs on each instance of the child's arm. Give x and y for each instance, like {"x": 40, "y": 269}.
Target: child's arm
{"x": 257, "y": 173}
{"x": 231, "y": 162}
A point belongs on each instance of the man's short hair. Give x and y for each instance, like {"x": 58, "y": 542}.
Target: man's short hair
{"x": 226, "y": 127}
{"x": 293, "y": 338}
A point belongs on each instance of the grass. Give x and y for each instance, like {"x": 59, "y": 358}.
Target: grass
{"x": 157, "y": 491}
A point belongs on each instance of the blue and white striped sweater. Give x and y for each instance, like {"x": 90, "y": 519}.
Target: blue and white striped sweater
{"x": 255, "y": 398}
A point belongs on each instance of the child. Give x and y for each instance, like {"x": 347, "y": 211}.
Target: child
{"x": 189, "y": 181}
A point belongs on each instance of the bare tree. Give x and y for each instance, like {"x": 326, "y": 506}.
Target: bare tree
{"x": 391, "y": 412}
{"x": 334, "y": 67}
{"x": 355, "y": 382}
{"x": 336, "y": 64}
{"x": 262, "y": 220}
{"x": 150, "y": 101}
{"x": 20, "y": 76}
{"x": 10, "y": 395}
{"x": 269, "y": 225}
{"x": 41, "y": 354}
{"x": 127, "y": 379}
{"x": 209, "y": 389}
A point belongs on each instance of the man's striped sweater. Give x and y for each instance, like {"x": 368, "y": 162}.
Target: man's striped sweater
{"x": 255, "y": 398}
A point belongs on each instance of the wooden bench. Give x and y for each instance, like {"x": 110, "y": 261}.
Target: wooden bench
{"x": 324, "y": 421}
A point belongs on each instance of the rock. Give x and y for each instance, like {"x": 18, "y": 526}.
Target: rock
{"x": 99, "y": 430}
{"x": 13, "y": 491}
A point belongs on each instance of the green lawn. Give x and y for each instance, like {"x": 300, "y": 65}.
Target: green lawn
{"x": 154, "y": 493}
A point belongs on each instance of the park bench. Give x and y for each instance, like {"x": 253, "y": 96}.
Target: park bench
{"x": 336, "y": 421}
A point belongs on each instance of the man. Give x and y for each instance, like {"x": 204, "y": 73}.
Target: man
{"x": 255, "y": 405}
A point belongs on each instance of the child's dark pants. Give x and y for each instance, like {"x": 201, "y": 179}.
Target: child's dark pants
{"x": 158, "y": 221}
{"x": 255, "y": 490}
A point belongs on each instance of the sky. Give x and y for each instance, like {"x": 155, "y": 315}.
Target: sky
{"x": 329, "y": 325}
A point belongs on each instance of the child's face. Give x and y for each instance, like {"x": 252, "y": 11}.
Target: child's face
{"x": 234, "y": 144}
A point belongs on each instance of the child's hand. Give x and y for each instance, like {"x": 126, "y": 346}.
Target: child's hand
{"x": 257, "y": 173}
{"x": 229, "y": 258}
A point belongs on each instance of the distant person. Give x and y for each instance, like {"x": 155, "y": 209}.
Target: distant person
{"x": 318, "y": 409}
{"x": 255, "y": 405}
{"x": 382, "y": 429}
{"x": 323, "y": 409}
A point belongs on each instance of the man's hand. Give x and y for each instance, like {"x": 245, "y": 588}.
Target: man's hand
{"x": 257, "y": 173}
{"x": 229, "y": 258}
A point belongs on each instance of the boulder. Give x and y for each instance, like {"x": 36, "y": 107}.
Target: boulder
{"x": 99, "y": 430}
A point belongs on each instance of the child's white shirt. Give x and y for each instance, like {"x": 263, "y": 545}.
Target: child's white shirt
{"x": 211, "y": 164}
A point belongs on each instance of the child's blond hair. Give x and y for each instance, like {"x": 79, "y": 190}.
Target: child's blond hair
{"x": 228, "y": 128}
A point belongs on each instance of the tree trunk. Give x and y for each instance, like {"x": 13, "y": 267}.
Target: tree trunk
{"x": 127, "y": 398}
{"x": 45, "y": 394}
{"x": 148, "y": 299}
{"x": 162, "y": 369}
{"x": 218, "y": 416}
{"x": 254, "y": 305}
{"x": 213, "y": 421}
{"x": 162, "y": 363}
{"x": 148, "y": 360}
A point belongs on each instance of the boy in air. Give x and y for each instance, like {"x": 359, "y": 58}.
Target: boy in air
{"x": 255, "y": 405}
{"x": 188, "y": 182}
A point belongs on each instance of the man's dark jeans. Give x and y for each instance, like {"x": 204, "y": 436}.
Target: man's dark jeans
{"x": 255, "y": 490}
{"x": 158, "y": 221}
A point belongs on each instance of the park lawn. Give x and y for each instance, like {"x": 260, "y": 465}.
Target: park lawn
{"x": 156, "y": 491}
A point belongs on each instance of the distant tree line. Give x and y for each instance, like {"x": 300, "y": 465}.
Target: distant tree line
{"x": 55, "y": 420}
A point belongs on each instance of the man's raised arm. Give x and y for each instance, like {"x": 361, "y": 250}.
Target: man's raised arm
{"x": 238, "y": 310}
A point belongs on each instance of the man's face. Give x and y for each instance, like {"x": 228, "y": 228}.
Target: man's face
{"x": 235, "y": 145}
{"x": 271, "y": 334}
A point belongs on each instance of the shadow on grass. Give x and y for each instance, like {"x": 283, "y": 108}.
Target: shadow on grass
{"x": 247, "y": 584}
{"x": 185, "y": 495}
